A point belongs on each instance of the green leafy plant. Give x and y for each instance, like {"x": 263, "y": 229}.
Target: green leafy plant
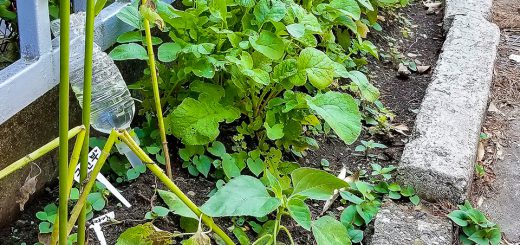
{"x": 247, "y": 196}
{"x": 259, "y": 67}
{"x": 476, "y": 228}
{"x": 364, "y": 197}
{"x": 367, "y": 146}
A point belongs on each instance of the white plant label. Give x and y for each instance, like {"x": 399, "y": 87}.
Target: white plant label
{"x": 96, "y": 226}
{"x": 93, "y": 157}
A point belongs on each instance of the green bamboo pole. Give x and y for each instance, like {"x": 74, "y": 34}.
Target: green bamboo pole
{"x": 74, "y": 159}
{"x": 87, "y": 97}
{"x": 37, "y": 153}
{"x": 157, "y": 171}
{"x": 156, "y": 96}
{"x": 64, "y": 115}
{"x": 86, "y": 190}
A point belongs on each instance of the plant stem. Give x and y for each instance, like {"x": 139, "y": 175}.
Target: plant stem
{"x": 86, "y": 190}
{"x": 87, "y": 97}
{"x": 157, "y": 171}
{"x": 276, "y": 228}
{"x": 37, "y": 153}
{"x": 157, "y": 98}
{"x": 288, "y": 234}
{"x": 64, "y": 115}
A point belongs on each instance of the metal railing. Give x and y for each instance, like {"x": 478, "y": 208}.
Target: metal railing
{"x": 37, "y": 70}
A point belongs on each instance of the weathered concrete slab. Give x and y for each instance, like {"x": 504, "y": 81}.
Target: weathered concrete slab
{"x": 23, "y": 133}
{"x": 397, "y": 224}
{"x": 477, "y": 8}
{"x": 439, "y": 159}
{"x": 504, "y": 204}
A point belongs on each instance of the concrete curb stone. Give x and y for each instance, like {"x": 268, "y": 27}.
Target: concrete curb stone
{"x": 439, "y": 158}
{"x": 400, "y": 224}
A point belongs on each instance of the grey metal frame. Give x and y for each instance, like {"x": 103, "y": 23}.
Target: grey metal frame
{"x": 37, "y": 71}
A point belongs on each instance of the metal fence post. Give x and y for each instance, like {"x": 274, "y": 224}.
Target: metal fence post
{"x": 34, "y": 28}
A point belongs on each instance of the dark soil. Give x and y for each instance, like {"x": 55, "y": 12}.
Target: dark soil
{"x": 403, "y": 97}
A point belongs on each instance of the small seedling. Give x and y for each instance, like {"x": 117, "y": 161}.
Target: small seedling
{"x": 476, "y": 228}
{"x": 367, "y": 146}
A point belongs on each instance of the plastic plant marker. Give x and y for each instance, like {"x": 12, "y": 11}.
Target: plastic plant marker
{"x": 92, "y": 160}
{"x": 96, "y": 226}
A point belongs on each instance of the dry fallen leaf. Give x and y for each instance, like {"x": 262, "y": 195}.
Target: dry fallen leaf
{"x": 28, "y": 188}
{"x": 515, "y": 57}
{"x": 493, "y": 108}
{"x": 433, "y": 7}
{"x": 480, "y": 151}
{"x": 401, "y": 128}
{"x": 44, "y": 238}
{"x": 422, "y": 69}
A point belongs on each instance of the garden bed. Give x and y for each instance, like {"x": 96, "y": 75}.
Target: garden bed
{"x": 402, "y": 96}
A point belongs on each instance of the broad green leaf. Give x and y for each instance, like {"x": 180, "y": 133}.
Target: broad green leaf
{"x": 131, "y": 16}
{"x": 176, "y": 205}
{"x": 479, "y": 237}
{"x": 317, "y": 66}
{"x": 315, "y": 184}
{"x": 136, "y": 36}
{"x": 196, "y": 122}
{"x": 495, "y": 236}
{"x": 203, "y": 164}
{"x": 45, "y": 227}
{"x": 415, "y": 200}
{"x": 255, "y": 166}
{"x": 217, "y": 149}
{"x": 258, "y": 75}
{"x": 340, "y": 111}
{"x": 296, "y": 30}
{"x": 203, "y": 68}
{"x": 348, "y": 215}
{"x": 218, "y": 8}
{"x": 160, "y": 211}
{"x": 242, "y": 196}
{"x": 241, "y": 236}
{"x": 300, "y": 212}
{"x": 367, "y": 210}
{"x": 129, "y": 51}
{"x": 327, "y": 230}
{"x": 355, "y": 235}
{"x": 351, "y": 197}
{"x": 368, "y": 91}
{"x": 458, "y": 217}
{"x": 347, "y": 7}
{"x": 275, "y": 132}
{"x": 269, "y": 10}
{"x": 167, "y": 52}
{"x": 230, "y": 167}
{"x": 268, "y": 44}
{"x": 285, "y": 69}
{"x": 275, "y": 184}
{"x": 366, "y": 4}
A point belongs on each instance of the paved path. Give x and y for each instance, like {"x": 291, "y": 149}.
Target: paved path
{"x": 503, "y": 207}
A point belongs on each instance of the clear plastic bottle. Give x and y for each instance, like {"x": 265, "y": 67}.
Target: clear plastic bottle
{"x": 112, "y": 105}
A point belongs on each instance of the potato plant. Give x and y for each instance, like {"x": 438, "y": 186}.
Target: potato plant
{"x": 267, "y": 69}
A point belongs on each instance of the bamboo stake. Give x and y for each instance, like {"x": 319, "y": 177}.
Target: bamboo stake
{"x": 72, "y": 169}
{"x": 156, "y": 95}
{"x": 157, "y": 171}
{"x": 37, "y": 153}
{"x": 64, "y": 115}
{"x": 86, "y": 190}
{"x": 87, "y": 97}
